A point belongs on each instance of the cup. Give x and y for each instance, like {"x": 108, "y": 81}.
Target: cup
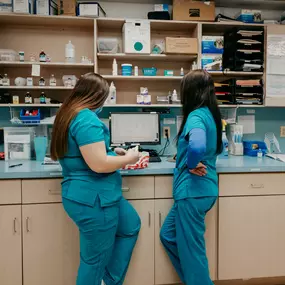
{"x": 40, "y": 147}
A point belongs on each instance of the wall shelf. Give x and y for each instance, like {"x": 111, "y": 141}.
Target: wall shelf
{"x": 46, "y": 64}
{"x": 37, "y": 87}
{"x": 141, "y": 77}
{"x": 235, "y": 73}
{"x": 30, "y": 105}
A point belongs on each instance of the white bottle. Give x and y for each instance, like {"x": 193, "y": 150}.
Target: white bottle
{"x": 115, "y": 68}
{"x": 194, "y": 66}
{"x": 5, "y": 80}
{"x": 112, "y": 94}
{"x": 52, "y": 81}
{"x": 136, "y": 71}
{"x": 174, "y": 96}
{"x": 69, "y": 53}
{"x": 182, "y": 71}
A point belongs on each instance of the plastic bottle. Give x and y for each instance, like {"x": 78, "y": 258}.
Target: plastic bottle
{"x": 182, "y": 71}
{"x": 225, "y": 140}
{"x": 43, "y": 98}
{"x": 112, "y": 94}
{"x": 42, "y": 82}
{"x": 260, "y": 153}
{"x": 136, "y": 71}
{"x": 1, "y": 78}
{"x": 6, "y": 80}
{"x": 174, "y": 96}
{"x": 169, "y": 98}
{"x": 52, "y": 81}
{"x": 69, "y": 52}
{"x": 28, "y": 98}
{"x": 42, "y": 56}
{"x": 194, "y": 66}
{"x": 115, "y": 68}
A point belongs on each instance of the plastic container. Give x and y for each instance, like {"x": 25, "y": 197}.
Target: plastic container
{"x": 251, "y": 148}
{"x": 114, "y": 68}
{"x": 69, "y": 80}
{"x": 69, "y": 52}
{"x": 127, "y": 69}
{"x": 112, "y": 94}
{"x": 149, "y": 71}
{"x": 30, "y": 119}
{"x": 108, "y": 45}
{"x": 41, "y": 143}
{"x": 8, "y": 55}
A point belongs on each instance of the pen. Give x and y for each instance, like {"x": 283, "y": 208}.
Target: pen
{"x": 15, "y": 165}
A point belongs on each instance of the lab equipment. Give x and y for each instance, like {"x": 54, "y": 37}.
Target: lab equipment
{"x": 40, "y": 143}
{"x": 22, "y": 56}
{"x": 17, "y": 143}
{"x": 115, "y": 68}
{"x": 69, "y": 52}
{"x": 42, "y": 82}
{"x": 235, "y": 140}
{"x": 251, "y": 148}
{"x": 6, "y": 80}
{"x": 108, "y": 45}
{"x": 135, "y": 128}
{"x": 127, "y": 69}
{"x": 272, "y": 143}
{"x": 52, "y": 80}
{"x": 136, "y": 71}
{"x": 42, "y": 56}
{"x": 136, "y": 36}
{"x": 112, "y": 98}
{"x": 90, "y": 9}
{"x": 168, "y": 73}
{"x": 225, "y": 140}
{"x": 149, "y": 71}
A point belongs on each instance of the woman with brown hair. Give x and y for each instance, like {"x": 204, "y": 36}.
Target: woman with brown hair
{"x": 91, "y": 187}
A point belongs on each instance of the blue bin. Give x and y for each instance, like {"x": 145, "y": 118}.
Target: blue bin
{"x": 251, "y": 150}
{"x": 30, "y": 119}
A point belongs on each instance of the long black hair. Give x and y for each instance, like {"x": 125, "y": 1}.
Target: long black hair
{"x": 197, "y": 90}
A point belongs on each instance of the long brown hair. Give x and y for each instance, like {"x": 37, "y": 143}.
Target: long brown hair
{"x": 91, "y": 91}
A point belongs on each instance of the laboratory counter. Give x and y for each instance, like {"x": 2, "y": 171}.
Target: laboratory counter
{"x": 231, "y": 164}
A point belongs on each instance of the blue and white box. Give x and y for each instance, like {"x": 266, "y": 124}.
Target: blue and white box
{"x": 161, "y": 7}
{"x": 213, "y": 44}
{"x": 22, "y": 6}
{"x": 6, "y": 6}
{"x": 46, "y": 7}
{"x": 212, "y": 62}
{"x": 249, "y": 16}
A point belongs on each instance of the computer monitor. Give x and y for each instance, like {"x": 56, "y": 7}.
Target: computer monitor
{"x": 141, "y": 128}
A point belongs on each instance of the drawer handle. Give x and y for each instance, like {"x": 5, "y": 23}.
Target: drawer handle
{"x": 27, "y": 224}
{"x": 159, "y": 215}
{"x": 257, "y": 186}
{"x": 149, "y": 219}
{"x": 14, "y": 225}
{"x": 54, "y": 192}
{"x": 126, "y": 189}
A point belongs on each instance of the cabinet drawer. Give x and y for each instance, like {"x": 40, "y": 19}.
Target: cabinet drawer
{"x": 10, "y": 192}
{"x": 137, "y": 187}
{"x": 251, "y": 184}
{"x": 41, "y": 191}
{"x": 163, "y": 186}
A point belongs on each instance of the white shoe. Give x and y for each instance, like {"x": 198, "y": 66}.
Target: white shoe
{"x": 103, "y": 283}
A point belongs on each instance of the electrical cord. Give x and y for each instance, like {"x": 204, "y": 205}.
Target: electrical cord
{"x": 166, "y": 145}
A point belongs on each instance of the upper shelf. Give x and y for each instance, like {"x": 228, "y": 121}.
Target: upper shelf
{"x": 37, "y": 87}
{"x": 141, "y": 77}
{"x": 151, "y": 57}
{"x": 47, "y": 64}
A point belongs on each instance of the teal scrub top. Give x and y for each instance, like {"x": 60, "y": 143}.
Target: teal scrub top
{"x": 185, "y": 184}
{"x": 80, "y": 183}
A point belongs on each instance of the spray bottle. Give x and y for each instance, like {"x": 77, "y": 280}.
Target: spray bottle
{"x": 225, "y": 140}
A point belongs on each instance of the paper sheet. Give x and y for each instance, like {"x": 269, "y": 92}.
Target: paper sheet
{"x": 36, "y": 70}
{"x": 248, "y": 123}
{"x": 178, "y": 122}
{"x": 276, "y": 45}
{"x": 275, "y": 85}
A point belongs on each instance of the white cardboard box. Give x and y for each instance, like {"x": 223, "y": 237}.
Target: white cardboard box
{"x": 22, "y": 6}
{"x": 136, "y": 36}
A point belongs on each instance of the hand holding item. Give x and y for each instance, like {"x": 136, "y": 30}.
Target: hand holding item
{"x": 120, "y": 151}
{"x": 200, "y": 170}
{"x": 133, "y": 155}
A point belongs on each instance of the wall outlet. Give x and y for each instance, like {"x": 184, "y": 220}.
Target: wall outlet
{"x": 166, "y": 131}
{"x": 282, "y": 132}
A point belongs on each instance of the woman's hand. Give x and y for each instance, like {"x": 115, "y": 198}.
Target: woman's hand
{"x": 133, "y": 155}
{"x": 200, "y": 170}
{"x": 120, "y": 151}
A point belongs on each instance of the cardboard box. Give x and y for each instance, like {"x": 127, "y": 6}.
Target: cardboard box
{"x": 191, "y": 10}
{"x": 181, "y": 45}
{"x": 209, "y": 61}
{"x": 67, "y": 7}
{"x": 213, "y": 44}
{"x": 249, "y": 16}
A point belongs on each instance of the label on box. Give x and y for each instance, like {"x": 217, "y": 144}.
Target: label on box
{"x": 213, "y": 44}
{"x": 42, "y": 7}
{"x": 21, "y": 6}
{"x": 209, "y": 60}
{"x": 194, "y": 13}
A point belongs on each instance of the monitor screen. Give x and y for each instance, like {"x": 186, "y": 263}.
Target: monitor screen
{"x": 134, "y": 128}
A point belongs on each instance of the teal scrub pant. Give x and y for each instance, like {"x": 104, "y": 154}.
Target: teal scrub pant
{"x": 107, "y": 239}
{"x": 182, "y": 235}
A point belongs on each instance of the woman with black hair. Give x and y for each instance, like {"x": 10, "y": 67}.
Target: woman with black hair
{"x": 195, "y": 185}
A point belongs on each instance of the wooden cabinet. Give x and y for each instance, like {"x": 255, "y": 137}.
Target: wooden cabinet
{"x": 50, "y": 245}
{"x": 164, "y": 270}
{"x": 251, "y": 237}
{"x": 141, "y": 269}
{"x": 10, "y": 245}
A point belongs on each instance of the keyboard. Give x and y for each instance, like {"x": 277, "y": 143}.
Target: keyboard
{"x": 153, "y": 155}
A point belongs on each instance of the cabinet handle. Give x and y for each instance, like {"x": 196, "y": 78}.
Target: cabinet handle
{"x": 54, "y": 192}
{"x": 149, "y": 219}
{"x": 126, "y": 189}
{"x": 14, "y": 225}
{"x": 257, "y": 185}
{"x": 159, "y": 216}
{"x": 27, "y": 224}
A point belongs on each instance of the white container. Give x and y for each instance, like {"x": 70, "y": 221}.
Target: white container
{"x": 52, "y": 81}
{"x": 69, "y": 53}
{"x": 136, "y": 36}
{"x": 6, "y": 6}
{"x": 115, "y": 68}
{"x": 46, "y": 7}
{"x": 69, "y": 80}
{"x": 22, "y": 6}
{"x": 136, "y": 71}
{"x": 108, "y": 45}
{"x": 174, "y": 96}
{"x": 8, "y": 55}
{"x": 112, "y": 94}
{"x": 29, "y": 81}
{"x": 92, "y": 10}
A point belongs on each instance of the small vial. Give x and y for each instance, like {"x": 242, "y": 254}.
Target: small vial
{"x": 43, "y": 98}
{"x": 43, "y": 57}
{"x": 136, "y": 71}
{"x": 22, "y": 56}
{"x": 182, "y": 71}
{"x": 52, "y": 80}
{"x": 5, "y": 80}
{"x": 28, "y": 98}
{"x": 42, "y": 82}
{"x": 260, "y": 153}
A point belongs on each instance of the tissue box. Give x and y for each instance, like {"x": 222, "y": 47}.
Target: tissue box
{"x": 136, "y": 36}
{"x": 142, "y": 163}
{"x": 213, "y": 44}
{"x": 249, "y": 16}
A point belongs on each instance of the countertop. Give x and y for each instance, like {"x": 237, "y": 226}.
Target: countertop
{"x": 231, "y": 164}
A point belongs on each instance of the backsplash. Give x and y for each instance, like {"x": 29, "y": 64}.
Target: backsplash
{"x": 266, "y": 120}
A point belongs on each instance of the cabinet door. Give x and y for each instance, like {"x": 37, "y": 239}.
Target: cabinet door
{"x": 141, "y": 269}
{"x": 50, "y": 246}
{"x": 164, "y": 271}
{"x": 10, "y": 245}
{"x": 251, "y": 237}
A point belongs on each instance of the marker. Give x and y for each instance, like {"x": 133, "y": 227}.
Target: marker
{"x": 15, "y": 165}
